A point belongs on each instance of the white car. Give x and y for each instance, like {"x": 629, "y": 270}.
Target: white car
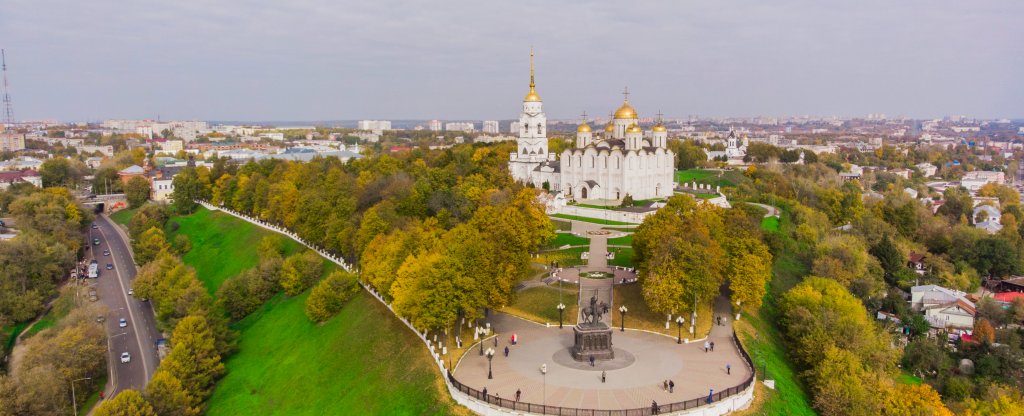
{"x": 126, "y": 357}
{"x": 122, "y": 323}
{"x": 131, "y": 292}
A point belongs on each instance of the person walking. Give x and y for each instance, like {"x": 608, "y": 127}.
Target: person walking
{"x": 485, "y": 392}
{"x": 712, "y": 346}
{"x": 705, "y": 347}
{"x": 654, "y": 407}
{"x": 665, "y": 385}
{"x": 591, "y": 360}
{"x": 728, "y": 369}
{"x": 602, "y": 376}
{"x": 519, "y": 394}
{"x": 671, "y": 386}
{"x": 495, "y": 341}
{"x": 506, "y": 351}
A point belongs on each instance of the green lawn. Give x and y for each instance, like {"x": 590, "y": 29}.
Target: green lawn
{"x": 640, "y": 317}
{"x": 621, "y": 241}
{"x": 565, "y": 258}
{"x": 623, "y": 257}
{"x": 363, "y": 361}
{"x": 691, "y": 175}
{"x": 562, "y": 239}
{"x": 907, "y": 378}
{"x": 539, "y": 304}
{"x": 591, "y": 220}
{"x": 714, "y": 178}
{"x": 10, "y": 334}
{"x": 123, "y": 216}
{"x": 222, "y": 245}
{"x": 770, "y": 223}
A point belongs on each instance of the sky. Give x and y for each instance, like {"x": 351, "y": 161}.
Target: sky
{"x": 384, "y": 59}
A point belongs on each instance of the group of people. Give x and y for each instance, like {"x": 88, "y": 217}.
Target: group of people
{"x": 710, "y": 345}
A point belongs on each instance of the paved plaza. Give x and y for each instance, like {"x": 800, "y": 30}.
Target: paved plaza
{"x": 655, "y": 358}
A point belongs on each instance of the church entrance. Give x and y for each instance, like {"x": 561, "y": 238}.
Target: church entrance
{"x": 583, "y": 192}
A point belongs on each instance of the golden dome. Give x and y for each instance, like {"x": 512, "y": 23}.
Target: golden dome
{"x": 659, "y": 128}
{"x": 626, "y": 111}
{"x": 633, "y": 128}
{"x": 583, "y": 128}
{"x": 532, "y": 96}
{"x": 610, "y": 128}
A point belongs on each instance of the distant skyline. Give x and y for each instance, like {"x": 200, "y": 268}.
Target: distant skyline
{"x": 386, "y": 59}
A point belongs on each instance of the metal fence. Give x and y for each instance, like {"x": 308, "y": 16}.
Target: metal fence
{"x": 644, "y": 411}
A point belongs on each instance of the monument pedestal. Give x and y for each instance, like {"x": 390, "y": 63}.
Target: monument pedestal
{"x": 594, "y": 340}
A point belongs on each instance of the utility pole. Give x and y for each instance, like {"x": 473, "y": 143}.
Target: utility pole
{"x": 74, "y": 403}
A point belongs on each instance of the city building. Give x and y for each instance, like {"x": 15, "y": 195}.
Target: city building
{"x": 21, "y": 163}
{"x": 514, "y": 127}
{"x": 927, "y": 169}
{"x": 943, "y": 308}
{"x": 987, "y": 217}
{"x": 10, "y": 142}
{"x": 434, "y": 125}
{"x": 974, "y": 180}
{"x": 376, "y": 126}
{"x": 490, "y": 126}
{"x": 617, "y": 162}
{"x": 27, "y": 175}
{"x": 465, "y": 127}
{"x": 734, "y": 151}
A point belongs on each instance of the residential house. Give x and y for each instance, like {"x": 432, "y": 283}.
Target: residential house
{"x": 9, "y": 178}
{"x": 130, "y": 172}
{"x": 943, "y": 308}
{"x": 974, "y": 180}
{"x": 987, "y": 217}
{"x": 916, "y": 263}
{"x": 927, "y": 169}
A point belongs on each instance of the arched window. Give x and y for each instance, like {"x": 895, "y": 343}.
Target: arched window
{"x": 524, "y": 150}
{"x": 591, "y": 161}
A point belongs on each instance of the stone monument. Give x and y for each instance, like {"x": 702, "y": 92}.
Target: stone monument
{"x": 593, "y": 335}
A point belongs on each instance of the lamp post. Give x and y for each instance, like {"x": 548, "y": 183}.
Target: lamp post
{"x": 481, "y": 332}
{"x": 679, "y": 325}
{"x": 561, "y": 310}
{"x": 622, "y": 322}
{"x": 490, "y": 356}
{"x": 74, "y": 401}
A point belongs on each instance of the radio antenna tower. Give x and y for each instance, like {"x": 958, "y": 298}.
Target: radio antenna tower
{"x": 8, "y": 109}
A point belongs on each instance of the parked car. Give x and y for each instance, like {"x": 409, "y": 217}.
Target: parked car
{"x": 92, "y": 296}
{"x": 101, "y": 318}
{"x": 122, "y": 323}
{"x": 126, "y": 357}
{"x": 131, "y": 292}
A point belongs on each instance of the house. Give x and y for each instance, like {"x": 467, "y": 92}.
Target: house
{"x": 93, "y": 162}
{"x": 974, "y": 180}
{"x": 1006, "y": 298}
{"x": 1010, "y": 284}
{"x": 26, "y": 175}
{"x": 21, "y": 163}
{"x": 943, "y": 308}
{"x": 986, "y": 217}
{"x": 903, "y": 173}
{"x": 130, "y": 172}
{"x": 916, "y": 262}
{"x": 927, "y": 169}
{"x": 911, "y": 192}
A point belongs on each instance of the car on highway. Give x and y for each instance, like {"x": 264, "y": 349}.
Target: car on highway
{"x": 100, "y": 318}
{"x": 94, "y": 226}
{"x": 106, "y": 252}
{"x": 95, "y": 241}
{"x": 110, "y": 266}
{"x": 126, "y": 357}
{"x": 122, "y": 323}
{"x": 131, "y": 292}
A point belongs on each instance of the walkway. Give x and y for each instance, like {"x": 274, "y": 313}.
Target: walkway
{"x": 643, "y": 362}
{"x": 772, "y": 211}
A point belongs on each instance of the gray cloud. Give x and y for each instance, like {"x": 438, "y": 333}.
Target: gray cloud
{"x": 322, "y": 59}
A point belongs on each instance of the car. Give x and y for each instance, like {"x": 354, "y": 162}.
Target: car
{"x": 95, "y": 241}
{"x": 92, "y": 296}
{"x": 100, "y": 318}
{"x": 94, "y": 226}
{"x": 106, "y": 252}
{"x": 110, "y": 266}
{"x": 126, "y": 357}
{"x": 131, "y": 292}
{"x": 121, "y": 323}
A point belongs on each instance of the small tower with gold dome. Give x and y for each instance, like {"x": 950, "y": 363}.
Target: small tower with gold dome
{"x": 624, "y": 117}
{"x": 584, "y": 134}
{"x": 659, "y": 134}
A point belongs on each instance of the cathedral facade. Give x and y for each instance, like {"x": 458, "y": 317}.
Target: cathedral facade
{"x": 622, "y": 160}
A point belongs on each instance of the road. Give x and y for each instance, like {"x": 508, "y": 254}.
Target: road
{"x": 140, "y": 335}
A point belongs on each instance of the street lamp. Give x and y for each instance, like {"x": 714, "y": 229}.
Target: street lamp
{"x": 481, "y": 332}
{"x": 622, "y": 310}
{"x": 561, "y": 310}
{"x": 74, "y": 401}
{"x": 490, "y": 356}
{"x": 679, "y": 325}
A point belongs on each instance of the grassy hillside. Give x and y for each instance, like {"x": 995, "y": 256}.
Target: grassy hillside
{"x": 363, "y": 361}
{"x": 123, "y": 216}
{"x": 222, "y": 245}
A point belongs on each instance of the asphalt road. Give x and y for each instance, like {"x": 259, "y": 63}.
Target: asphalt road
{"x": 139, "y": 337}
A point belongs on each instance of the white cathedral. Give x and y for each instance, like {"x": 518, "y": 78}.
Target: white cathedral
{"x": 609, "y": 165}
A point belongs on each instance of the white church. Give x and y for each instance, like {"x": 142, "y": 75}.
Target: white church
{"x": 604, "y": 165}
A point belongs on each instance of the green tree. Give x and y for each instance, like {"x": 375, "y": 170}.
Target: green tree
{"x": 301, "y": 271}
{"x": 187, "y": 189}
{"x": 329, "y": 296}
{"x": 127, "y": 403}
{"x": 749, "y": 269}
{"x": 149, "y": 245}
{"x": 59, "y": 171}
{"x": 136, "y": 191}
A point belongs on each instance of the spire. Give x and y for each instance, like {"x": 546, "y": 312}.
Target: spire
{"x": 625, "y": 95}
{"x": 532, "y": 96}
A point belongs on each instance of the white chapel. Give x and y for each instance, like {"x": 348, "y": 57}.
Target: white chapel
{"x": 605, "y": 165}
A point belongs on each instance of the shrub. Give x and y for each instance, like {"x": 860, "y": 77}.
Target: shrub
{"x": 301, "y": 271}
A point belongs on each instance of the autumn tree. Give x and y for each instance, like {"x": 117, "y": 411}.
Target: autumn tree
{"x": 301, "y": 271}
{"x": 126, "y": 403}
{"x": 914, "y": 399}
{"x": 984, "y": 332}
{"x": 136, "y": 191}
{"x": 151, "y": 243}
{"x": 168, "y": 396}
{"x": 329, "y": 296}
{"x": 194, "y": 359}
{"x": 748, "y": 270}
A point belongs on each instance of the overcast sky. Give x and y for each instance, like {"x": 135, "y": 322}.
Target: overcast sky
{"x": 328, "y": 59}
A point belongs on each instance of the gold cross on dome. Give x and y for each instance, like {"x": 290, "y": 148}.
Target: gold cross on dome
{"x": 625, "y": 94}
